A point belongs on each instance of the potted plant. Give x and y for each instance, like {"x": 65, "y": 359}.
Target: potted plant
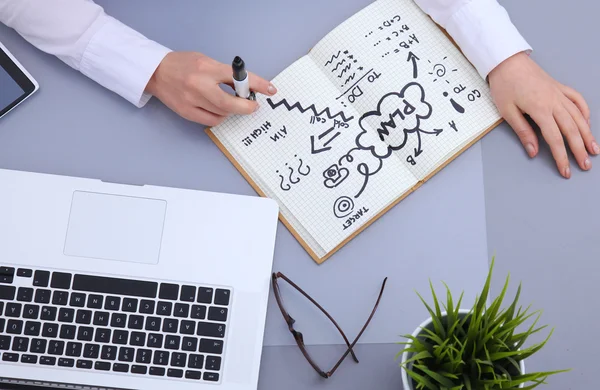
{"x": 476, "y": 349}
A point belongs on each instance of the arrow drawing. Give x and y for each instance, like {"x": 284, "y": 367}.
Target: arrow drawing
{"x": 412, "y": 57}
{"x": 318, "y": 145}
{"x": 418, "y": 149}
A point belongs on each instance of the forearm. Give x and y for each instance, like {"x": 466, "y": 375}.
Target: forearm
{"x": 481, "y": 28}
{"x": 82, "y": 35}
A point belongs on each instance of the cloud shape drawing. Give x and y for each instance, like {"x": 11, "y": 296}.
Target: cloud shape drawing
{"x": 397, "y": 115}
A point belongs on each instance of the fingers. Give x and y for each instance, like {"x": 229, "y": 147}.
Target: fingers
{"x": 571, "y": 132}
{"x": 201, "y": 116}
{"x": 522, "y": 128}
{"x": 260, "y": 85}
{"x": 229, "y": 103}
{"x": 584, "y": 127}
{"x": 576, "y": 98}
{"x": 554, "y": 138}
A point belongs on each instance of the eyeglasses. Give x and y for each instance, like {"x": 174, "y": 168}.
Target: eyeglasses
{"x": 300, "y": 338}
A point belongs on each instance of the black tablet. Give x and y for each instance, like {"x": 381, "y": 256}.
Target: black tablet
{"x": 16, "y": 84}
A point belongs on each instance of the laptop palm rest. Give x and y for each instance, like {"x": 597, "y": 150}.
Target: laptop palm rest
{"x": 115, "y": 227}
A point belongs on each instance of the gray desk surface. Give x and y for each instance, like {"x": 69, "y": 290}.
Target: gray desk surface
{"x": 542, "y": 227}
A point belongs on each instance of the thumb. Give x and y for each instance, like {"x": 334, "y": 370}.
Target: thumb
{"x": 260, "y": 85}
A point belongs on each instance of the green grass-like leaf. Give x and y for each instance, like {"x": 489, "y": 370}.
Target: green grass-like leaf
{"x": 478, "y": 349}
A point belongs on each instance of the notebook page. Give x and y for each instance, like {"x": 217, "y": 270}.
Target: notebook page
{"x": 408, "y": 81}
{"x": 300, "y": 148}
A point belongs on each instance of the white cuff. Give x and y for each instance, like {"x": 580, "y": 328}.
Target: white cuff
{"x": 484, "y": 32}
{"x": 122, "y": 60}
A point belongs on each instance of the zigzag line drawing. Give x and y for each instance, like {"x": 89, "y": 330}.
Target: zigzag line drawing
{"x": 338, "y": 65}
{"x": 333, "y": 57}
{"x": 346, "y": 68}
{"x": 297, "y": 105}
{"x": 351, "y": 77}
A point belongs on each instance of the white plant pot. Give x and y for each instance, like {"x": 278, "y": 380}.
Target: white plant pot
{"x": 406, "y": 380}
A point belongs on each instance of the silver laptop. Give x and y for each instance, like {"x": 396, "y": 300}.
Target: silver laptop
{"x": 131, "y": 287}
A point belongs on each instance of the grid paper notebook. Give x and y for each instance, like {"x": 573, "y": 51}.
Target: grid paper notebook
{"x": 375, "y": 109}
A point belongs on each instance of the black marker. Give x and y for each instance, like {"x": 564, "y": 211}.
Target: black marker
{"x": 240, "y": 79}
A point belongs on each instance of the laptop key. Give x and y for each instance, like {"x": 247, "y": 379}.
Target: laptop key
{"x": 95, "y": 301}
{"x": 155, "y": 340}
{"x": 126, "y": 354}
{"x": 48, "y": 313}
{"x": 188, "y": 294}
{"x": 198, "y": 312}
{"x": 85, "y": 333}
{"x": 211, "y": 376}
{"x": 20, "y": 344}
{"x": 10, "y": 357}
{"x": 175, "y": 373}
{"x": 189, "y": 344}
{"x": 101, "y": 318}
{"x": 66, "y": 314}
{"x": 112, "y": 303}
{"x": 66, "y": 362}
{"x": 130, "y": 305}
{"x": 146, "y": 306}
{"x": 135, "y": 322}
{"x": 138, "y": 339}
{"x": 83, "y": 316}
{"x": 135, "y": 369}
{"x": 50, "y": 330}
{"x": 152, "y": 323}
{"x": 14, "y": 327}
{"x": 222, "y": 297}
{"x": 108, "y": 352}
{"x": 120, "y": 337}
{"x": 67, "y": 332}
{"x": 38, "y": 346}
{"x": 31, "y": 311}
{"x": 143, "y": 356}
{"x": 77, "y": 300}
{"x": 41, "y": 278}
{"x": 217, "y": 314}
{"x": 157, "y": 371}
{"x": 25, "y": 272}
{"x": 7, "y": 292}
{"x": 161, "y": 358}
{"x": 168, "y": 291}
{"x": 205, "y": 295}
{"x": 182, "y": 310}
{"x": 190, "y": 374}
{"x": 213, "y": 363}
{"x": 120, "y": 367}
{"x": 102, "y": 335}
{"x": 170, "y": 325}
{"x": 211, "y": 346}
{"x": 7, "y": 271}
{"x": 100, "y": 284}
{"x": 87, "y": 364}
{"x": 13, "y": 310}
{"x": 164, "y": 308}
{"x": 47, "y": 360}
{"x": 4, "y": 343}
{"x": 91, "y": 351}
{"x": 178, "y": 359}
{"x": 61, "y": 280}
{"x": 103, "y": 366}
{"x": 172, "y": 342}
{"x": 56, "y": 347}
{"x": 196, "y": 361}
{"x": 29, "y": 359}
{"x": 60, "y": 298}
{"x": 187, "y": 327}
{"x": 211, "y": 329}
{"x": 74, "y": 349}
{"x": 8, "y": 279}
{"x": 118, "y": 320}
{"x": 25, "y": 294}
{"x": 2, "y": 323}
{"x": 42, "y": 296}
{"x": 32, "y": 328}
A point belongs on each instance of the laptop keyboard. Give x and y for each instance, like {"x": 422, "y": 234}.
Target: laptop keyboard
{"x": 87, "y": 322}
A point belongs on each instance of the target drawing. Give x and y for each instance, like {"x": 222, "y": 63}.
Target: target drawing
{"x": 343, "y": 206}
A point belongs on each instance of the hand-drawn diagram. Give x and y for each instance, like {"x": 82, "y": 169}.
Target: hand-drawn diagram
{"x": 343, "y": 207}
{"x": 412, "y": 57}
{"x": 439, "y": 70}
{"x": 397, "y": 115}
{"x": 293, "y": 177}
{"x": 460, "y": 109}
{"x": 335, "y": 175}
{"x": 299, "y": 107}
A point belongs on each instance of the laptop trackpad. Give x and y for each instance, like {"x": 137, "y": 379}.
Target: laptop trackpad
{"x": 115, "y": 227}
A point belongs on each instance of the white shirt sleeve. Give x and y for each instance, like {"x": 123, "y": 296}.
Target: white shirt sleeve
{"x": 481, "y": 28}
{"x": 82, "y": 35}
